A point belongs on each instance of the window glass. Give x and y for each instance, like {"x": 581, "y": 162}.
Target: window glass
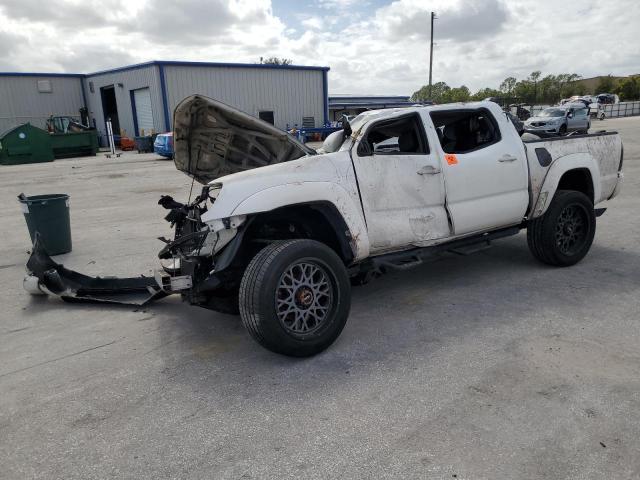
{"x": 267, "y": 116}
{"x": 398, "y": 136}
{"x": 462, "y": 131}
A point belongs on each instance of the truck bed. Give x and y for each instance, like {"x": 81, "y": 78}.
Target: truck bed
{"x": 601, "y": 150}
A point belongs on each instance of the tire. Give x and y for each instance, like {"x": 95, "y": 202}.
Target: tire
{"x": 564, "y": 234}
{"x": 291, "y": 318}
{"x": 562, "y": 130}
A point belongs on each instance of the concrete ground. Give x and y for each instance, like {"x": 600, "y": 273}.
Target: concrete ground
{"x": 490, "y": 366}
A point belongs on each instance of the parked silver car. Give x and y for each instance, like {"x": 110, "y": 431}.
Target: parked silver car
{"x": 559, "y": 121}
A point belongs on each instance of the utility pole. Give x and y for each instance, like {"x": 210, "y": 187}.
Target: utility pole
{"x": 433, "y": 17}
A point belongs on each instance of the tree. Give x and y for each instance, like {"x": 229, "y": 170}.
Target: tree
{"x": 605, "y": 85}
{"x": 629, "y": 88}
{"x": 508, "y": 84}
{"x": 459, "y": 94}
{"x": 569, "y": 85}
{"x": 533, "y": 77}
{"x": 276, "y": 61}
{"x": 486, "y": 93}
{"x": 439, "y": 92}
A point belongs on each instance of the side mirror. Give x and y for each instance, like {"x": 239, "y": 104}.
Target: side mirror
{"x": 569, "y": 115}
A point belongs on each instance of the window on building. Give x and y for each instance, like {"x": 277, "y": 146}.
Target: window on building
{"x": 398, "y": 136}
{"x": 267, "y": 116}
{"x": 44, "y": 86}
{"x": 463, "y": 131}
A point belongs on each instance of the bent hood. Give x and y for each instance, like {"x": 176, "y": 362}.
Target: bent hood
{"x": 212, "y": 139}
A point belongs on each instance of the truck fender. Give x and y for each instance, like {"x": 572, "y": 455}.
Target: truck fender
{"x": 558, "y": 168}
{"x": 306, "y": 192}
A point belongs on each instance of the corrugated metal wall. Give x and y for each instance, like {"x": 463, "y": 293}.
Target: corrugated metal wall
{"x": 290, "y": 94}
{"x": 20, "y": 101}
{"x": 131, "y": 80}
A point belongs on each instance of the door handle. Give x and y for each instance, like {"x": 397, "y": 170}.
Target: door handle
{"x": 507, "y": 158}
{"x": 428, "y": 170}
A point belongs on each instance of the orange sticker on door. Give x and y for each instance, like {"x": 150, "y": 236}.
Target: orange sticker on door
{"x": 451, "y": 159}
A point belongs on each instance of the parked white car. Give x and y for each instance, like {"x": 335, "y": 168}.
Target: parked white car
{"x": 279, "y": 231}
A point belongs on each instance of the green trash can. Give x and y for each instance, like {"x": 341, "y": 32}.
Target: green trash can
{"x": 49, "y": 216}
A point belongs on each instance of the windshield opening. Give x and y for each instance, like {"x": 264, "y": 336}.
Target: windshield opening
{"x": 552, "y": 112}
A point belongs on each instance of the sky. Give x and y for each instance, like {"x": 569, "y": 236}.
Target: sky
{"x": 372, "y": 46}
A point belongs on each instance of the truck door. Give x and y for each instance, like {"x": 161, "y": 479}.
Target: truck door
{"x": 485, "y": 171}
{"x": 401, "y": 184}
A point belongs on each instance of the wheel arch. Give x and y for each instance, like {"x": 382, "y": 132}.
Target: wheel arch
{"x": 319, "y": 220}
{"x": 578, "y": 171}
{"x": 332, "y": 201}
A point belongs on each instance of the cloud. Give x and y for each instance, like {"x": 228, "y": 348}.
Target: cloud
{"x": 460, "y": 20}
{"x": 314, "y": 23}
{"x": 372, "y": 46}
{"x": 63, "y": 13}
{"x": 11, "y": 47}
{"x": 76, "y": 60}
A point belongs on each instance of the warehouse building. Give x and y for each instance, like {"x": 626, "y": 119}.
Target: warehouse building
{"x": 30, "y": 97}
{"x": 141, "y": 98}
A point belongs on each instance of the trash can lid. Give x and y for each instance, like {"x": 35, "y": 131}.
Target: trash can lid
{"x": 42, "y": 198}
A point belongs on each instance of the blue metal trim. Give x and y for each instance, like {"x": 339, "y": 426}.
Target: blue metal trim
{"x": 135, "y": 66}
{"x": 166, "y": 63}
{"x": 334, "y": 106}
{"x": 165, "y": 102}
{"x": 134, "y": 113}
{"x": 388, "y": 99}
{"x": 325, "y": 96}
{"x": 172, "y": 63}
{"x": 34, "y": 74}
{"x": 239, "y": 65}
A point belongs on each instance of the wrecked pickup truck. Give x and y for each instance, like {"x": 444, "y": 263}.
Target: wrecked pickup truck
{"x": 279, "y": 232}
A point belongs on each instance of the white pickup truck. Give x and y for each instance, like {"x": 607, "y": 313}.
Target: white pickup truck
{"x": 280, "y": 231}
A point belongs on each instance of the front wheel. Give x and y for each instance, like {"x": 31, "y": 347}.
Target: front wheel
{"x": 564, "y": 234}
{"x": 295, "y": 297}
{"x": 562, "y": 130}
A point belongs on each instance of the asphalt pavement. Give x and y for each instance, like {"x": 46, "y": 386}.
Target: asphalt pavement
{"x": 487, "y": 366}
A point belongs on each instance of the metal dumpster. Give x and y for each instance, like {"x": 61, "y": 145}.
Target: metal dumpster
{"x": 74, "y": 144}
{"x": 144, "y": 144}
{"x": 25, "y": 144}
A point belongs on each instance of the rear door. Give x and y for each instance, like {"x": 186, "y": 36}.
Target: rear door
{"x": 485, "y": 171}
{"x": 401, "y": 184}
{"x": 581, "y": 116}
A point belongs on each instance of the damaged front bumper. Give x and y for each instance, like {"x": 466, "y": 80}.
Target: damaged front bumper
{"x": 200, "y": 265}
{"x": 45, "y": 276}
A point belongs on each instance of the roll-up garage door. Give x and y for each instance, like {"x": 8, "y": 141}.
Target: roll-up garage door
{"x": 144, "y": 115}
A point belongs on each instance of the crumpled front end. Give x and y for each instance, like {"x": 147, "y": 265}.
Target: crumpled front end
{"x": 203, "y": 251}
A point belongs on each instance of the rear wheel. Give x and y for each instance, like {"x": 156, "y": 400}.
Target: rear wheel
{"x": 295, "y": 297}
{"x": 564, "y": 234}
